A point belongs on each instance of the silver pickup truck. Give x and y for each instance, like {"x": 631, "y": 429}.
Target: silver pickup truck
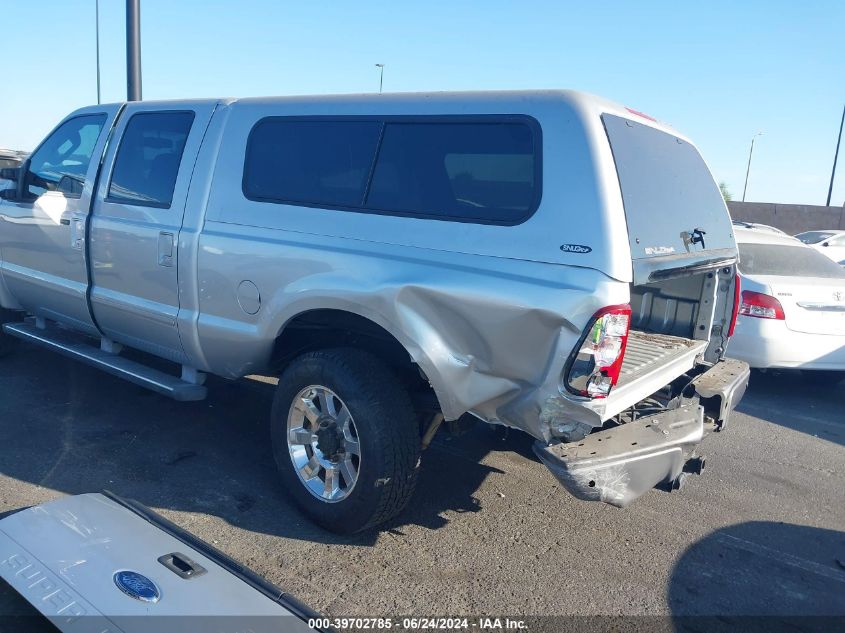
{"x": 546, "y": 260}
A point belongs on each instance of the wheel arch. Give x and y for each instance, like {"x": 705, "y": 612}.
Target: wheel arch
{"x": 326, "y": 326}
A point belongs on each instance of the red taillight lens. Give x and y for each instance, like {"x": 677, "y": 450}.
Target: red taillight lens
{"x": 595, "y": 369}
{"x": 737, "y": 300}
{"x": 756, "y": 304}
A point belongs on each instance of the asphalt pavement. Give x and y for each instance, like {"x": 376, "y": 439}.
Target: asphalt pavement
{"x": 488, "y": 531}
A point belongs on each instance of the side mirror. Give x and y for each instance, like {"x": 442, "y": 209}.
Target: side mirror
{"x": 825, "y": 243}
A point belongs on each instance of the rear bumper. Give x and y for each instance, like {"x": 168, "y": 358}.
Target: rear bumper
{"x": 620, "y": 464}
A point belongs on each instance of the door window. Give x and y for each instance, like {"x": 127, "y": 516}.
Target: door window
{"x": 148, "y": 158}
{"x": 62, "y": 160}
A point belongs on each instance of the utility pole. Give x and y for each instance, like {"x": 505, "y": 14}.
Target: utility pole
{"x": 381, "y": 77}
{"x": 835, "y": 156}
{"x": 133, "y": 50}
{"x": 748, "y": 169}
{"x": 97, "y": 14}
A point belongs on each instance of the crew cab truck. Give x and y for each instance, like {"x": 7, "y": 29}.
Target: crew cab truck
{"x": 547, "y": 261}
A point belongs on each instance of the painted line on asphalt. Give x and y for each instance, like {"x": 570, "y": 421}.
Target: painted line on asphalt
{"x": 748, "y": 408}
{"x": 783, "y": 557}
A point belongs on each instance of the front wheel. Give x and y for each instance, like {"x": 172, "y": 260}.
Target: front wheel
{"x": 345, "y": 439}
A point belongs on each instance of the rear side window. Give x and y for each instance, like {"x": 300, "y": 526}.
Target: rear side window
{"x": 148, "y": 158}
{"x": 471, "y": 169}
{"x": 786, "y": 261}
{"x": 313, "y": 162}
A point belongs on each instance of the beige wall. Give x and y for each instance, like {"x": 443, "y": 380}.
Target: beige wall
{"x": 791, "y": 218}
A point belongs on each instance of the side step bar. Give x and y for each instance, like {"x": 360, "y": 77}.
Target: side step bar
{"x": 68, "y": 344}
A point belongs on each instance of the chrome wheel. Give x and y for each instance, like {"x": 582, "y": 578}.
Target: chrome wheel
{"x": 323, "y": 443}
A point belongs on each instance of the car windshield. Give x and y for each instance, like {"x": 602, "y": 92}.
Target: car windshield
{"x": 786, "y": 261}
{"x": 814, "y": 237}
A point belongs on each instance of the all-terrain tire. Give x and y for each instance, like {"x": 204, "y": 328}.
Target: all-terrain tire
{"x": 387, "y": 432}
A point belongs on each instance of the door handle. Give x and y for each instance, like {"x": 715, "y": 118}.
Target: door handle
{"x": 165, "y": 249}
{"x": 65, "y": 222}
{"x": 181, "y": 565}
{"x": 77, "y": 231}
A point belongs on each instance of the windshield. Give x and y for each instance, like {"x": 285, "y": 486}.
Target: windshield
{"x": 786, "y": 261}
{"x": 814, "y": 237}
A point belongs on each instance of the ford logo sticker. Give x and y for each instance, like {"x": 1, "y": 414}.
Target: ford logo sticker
{"x": 137, "y": 586}
{"x": 575, "y": 248}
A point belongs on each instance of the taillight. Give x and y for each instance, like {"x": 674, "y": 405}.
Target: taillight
{"x": 737, "y": 300}
{"x": 595, "y": 369}
{"x": 756, "y": 304}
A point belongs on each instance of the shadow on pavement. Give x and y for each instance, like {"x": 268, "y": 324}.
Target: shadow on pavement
{"x": 792, "y": 401}
{"x": 91, "y": 431}
{"x": 761, "y": 576}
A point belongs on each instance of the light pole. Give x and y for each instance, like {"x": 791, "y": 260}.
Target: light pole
{"x": 133, "y": 50}
{"x": 835, "y": 156}
{"x": 381, "y": 77}
{"x": 748, "y": 169}
{"x": 97, "y": 17}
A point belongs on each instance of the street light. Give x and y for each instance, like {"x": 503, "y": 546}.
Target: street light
{"x": 748, "y": 169}
{"x": 381, "y": 76}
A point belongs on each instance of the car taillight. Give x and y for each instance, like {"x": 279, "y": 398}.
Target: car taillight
{"x": 595, "y": 369}
{"x": 737, "y": 301}
{"x": 756, "y": 304}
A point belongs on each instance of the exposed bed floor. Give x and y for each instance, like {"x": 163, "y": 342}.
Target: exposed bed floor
{"x": 647, "y": 352}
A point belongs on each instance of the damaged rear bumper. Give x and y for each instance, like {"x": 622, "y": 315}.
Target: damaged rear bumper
{"x": 618, "y": 465}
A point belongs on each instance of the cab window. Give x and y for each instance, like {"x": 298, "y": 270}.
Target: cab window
{"x": 61, "y": 162}
{"x": 148, "y": 158}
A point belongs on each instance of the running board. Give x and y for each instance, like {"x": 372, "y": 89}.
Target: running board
{"x": 68, "y": 344}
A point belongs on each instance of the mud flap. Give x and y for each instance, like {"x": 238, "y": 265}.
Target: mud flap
{"x": 99, "y": 563}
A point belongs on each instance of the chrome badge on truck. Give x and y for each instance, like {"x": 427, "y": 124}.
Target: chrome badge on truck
{"x": 137, "y": 586}
{"x": 575, "y": 248}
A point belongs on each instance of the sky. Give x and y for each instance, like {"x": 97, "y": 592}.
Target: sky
{"x": 717, "y": 71}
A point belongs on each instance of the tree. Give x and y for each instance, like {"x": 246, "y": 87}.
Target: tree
{"x": 725, "y": 193}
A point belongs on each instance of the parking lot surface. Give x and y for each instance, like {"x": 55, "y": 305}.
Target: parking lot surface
{"x": 489, "y": 531}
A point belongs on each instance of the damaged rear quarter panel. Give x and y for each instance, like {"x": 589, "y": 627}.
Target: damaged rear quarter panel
{"x": 491, "y": 334}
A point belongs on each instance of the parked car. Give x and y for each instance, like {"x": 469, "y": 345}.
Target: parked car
{"x": 10, "y": 158}
{"x": 759, "y": 227}
{"x": 829, "y": 243}
{"x": 792, "y": 311}
{"x": 547, "y": 261}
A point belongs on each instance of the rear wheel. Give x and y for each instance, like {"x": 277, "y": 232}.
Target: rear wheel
{"x": 345, "y": 439}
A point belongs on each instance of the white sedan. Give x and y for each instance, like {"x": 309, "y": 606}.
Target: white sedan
{"x": 829, "y": 243}
{"x": 792, "y": 307}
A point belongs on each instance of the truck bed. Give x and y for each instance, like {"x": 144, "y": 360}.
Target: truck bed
{"x": 651, "y": 361}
